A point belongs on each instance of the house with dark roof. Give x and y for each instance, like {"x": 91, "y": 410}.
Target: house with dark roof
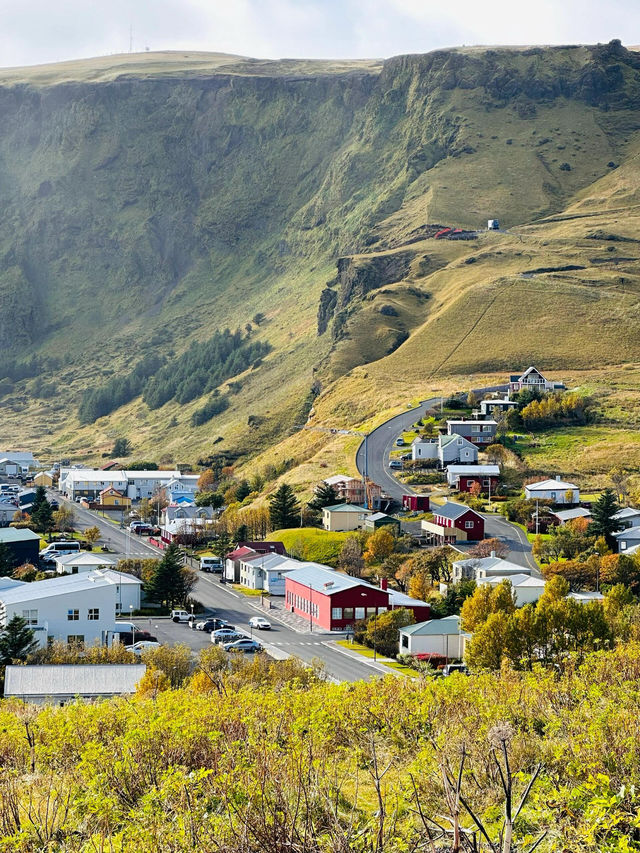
{"x": 627, "y": 539}
{"x": 381, "y": 519}
{"x": 453, "y": 522}
{"x": 23, "y": 544}
{"x": 478, "y": 432}
{"x": 533, "y": 380}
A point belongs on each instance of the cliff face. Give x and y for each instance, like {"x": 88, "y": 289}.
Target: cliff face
{"x": 151, "y": 204}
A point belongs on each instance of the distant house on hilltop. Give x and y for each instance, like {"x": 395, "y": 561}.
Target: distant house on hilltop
{"x": 556, "y": 490}
{"x": 533, "y": 380}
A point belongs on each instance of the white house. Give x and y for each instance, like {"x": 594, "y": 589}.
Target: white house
{"x": 627, "y": 539}
{"x": 89, "y": 482}
{"x": 477, "y": 568}
{"x": 628, "y": 516}
{"x": 82, "y": 561}
{"x": 177, "y": 511}
{"x": 527, "y": 589}
{"x": 446, "y": 449}
{"x": 74, "y": 608}
{"x": 532, "y": 380}
{"x": 24, "y": 458}
{"x": 556, "y": 490}
{"x": 61, "y": 683}
{"x": 435, "y": 636}
{"x": 269, "y": 571}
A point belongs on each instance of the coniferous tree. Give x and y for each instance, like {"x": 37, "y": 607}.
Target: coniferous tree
{"x": 602, "y": 521}
{"x": 284, "y": 508}
{"x": 17, "y": 641}
{"x": 324, "y": 495}
{"x": 41, "y": 512}
{"x": 169, "y": 582}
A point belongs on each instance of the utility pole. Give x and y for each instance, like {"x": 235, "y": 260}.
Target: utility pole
{"x": 537, "y": 518}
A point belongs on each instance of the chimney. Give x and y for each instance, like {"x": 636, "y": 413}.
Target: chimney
{"x": 558, "y": 477}
{"x": 493, "y": 553}
{"x": 384, "y": 583}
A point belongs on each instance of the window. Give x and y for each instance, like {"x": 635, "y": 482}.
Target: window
{"x": 359, "y": 612}
{"x": 74, "y": 570}
{"x": 623, "y": 545}
{"x": 118, "y": 607}
{"x": 469, "y": 483}
{"x": 75, "y": 639}
{"x": 382, "y": 609}
{"x": 371, "y": 611}
{"x": 459, "y": 442}
{"x": 347, "y": 613}
{"x": 405, "y": 641}
{"x": 468, "y": 525}
{"x": 336, "y": 612}
{"x": 30, "y": 617}
{"x": 93, "y": 614}
{"x": 73, "y": 615}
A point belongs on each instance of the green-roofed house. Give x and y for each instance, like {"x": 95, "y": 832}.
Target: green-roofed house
{"x": 435, "y": 637}
{"x": 341, "y": 517}
{"x": 23, "y": 544}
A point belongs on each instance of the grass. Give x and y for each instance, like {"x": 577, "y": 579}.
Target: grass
{"x": 250, "y": 593}
{"x": 311, "y": 543}
{"x": 366, "y": 652}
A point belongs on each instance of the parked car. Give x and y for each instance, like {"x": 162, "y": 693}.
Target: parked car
{"x": 210, "y": 625}
{"x": 211, "y": 564}
{"x": 395, "y": 463}
{"x": 450, "y": 668}
{"x": 142, "y": 646}
{"x": 226, "y": 635}
{"x": 247, "y": 645}
{"x": 400, "y": 442}
{"x": 180, "y": 616}
{"x": 260, "y": 622}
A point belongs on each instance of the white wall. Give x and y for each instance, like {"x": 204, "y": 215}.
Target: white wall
{"x": 451, "y": 645}
{"x": 555, "y": 495}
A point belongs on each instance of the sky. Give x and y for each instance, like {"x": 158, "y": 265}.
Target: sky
{"x": 39, "y": 31}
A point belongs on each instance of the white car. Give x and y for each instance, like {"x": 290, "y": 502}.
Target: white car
{"x": 142, "y": 646}
{"x": 260, "y": 623}
{"x": 180, "y": 616}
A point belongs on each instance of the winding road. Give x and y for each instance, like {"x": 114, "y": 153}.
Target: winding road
{"x": 381, "y": 441}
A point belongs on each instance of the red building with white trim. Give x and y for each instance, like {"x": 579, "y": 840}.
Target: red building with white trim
{"x": 333, "y": 601}
{"x": 459, "y": 517}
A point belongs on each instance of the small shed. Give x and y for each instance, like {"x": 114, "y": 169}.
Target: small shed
{"x": 61, "y": 683}
{"x": 381, "y": 519}
{"x": 416, "y": 503}
{"x": 435, "y": 636}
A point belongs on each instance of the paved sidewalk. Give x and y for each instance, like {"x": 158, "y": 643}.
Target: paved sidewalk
{"x": 297, "y": 623}
{"x": 377, "y": 664}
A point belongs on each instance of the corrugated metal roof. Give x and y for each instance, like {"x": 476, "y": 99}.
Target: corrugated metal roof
{"x": 434, "y": 627}
{"x": 550, "y": 485}
{"x": 488, "y": 470}
{"x": 58, "y": 680}
{"x": 54, "y": 586}
{"x": 327, "y": 581}
{"x": 488, "y": 563}
{"x": 13, "y": 534}
{"x": 346, "y": 508}
{"x": 452, "y": 510}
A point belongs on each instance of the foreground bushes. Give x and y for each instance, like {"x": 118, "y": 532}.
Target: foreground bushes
{"x": 252, "y": 760}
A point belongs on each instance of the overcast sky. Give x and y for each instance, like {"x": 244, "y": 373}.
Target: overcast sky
{"x": 36, "y": 31}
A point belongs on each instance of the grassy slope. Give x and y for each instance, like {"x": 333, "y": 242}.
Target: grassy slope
{"x": 406, "y": 150}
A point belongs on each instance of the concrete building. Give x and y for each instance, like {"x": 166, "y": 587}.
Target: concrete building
{"x": 89, "y": 482}
{"x": 58, "y": 684}
{"x": 341, "y": 517}
{"x": 434, "y": 637}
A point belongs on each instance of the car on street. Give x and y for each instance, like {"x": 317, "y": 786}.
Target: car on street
{"x": 226, "y": 635}
{"x": 243, "y": 646}
{"x": 395, "y": 463}
{"x": 180, "y": 616}
{"x": 400, "y": 442}
{"x": 210, "y": 625}
{"x": 260, "y": 623}
{"x": 142, "y": 646}
{"x": 211, "y": 564}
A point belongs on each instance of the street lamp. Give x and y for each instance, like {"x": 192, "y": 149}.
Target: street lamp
{"x": 133, "y": 627}
{"x": 375, "y": 626}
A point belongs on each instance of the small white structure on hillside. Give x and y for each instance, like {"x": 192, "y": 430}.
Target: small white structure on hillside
{"x": 527, "y": 589}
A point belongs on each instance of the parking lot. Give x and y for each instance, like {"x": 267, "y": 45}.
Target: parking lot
{"x": 171, "y": 633}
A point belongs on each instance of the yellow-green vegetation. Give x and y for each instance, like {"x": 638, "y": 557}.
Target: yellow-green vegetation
{"x": 251, "y": 593}
{"x": 225, "y": 761}
{"x": 240, "y": 211}
{"x": 366, "y": 652}
{"x": 311, "y": 543}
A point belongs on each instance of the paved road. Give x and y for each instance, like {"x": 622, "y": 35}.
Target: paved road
{"x": 382, "y": 441}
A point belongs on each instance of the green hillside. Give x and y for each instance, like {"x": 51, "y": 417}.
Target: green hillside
{"x": 150, "y": 201}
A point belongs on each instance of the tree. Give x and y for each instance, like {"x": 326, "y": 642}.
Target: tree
{"x": 620, "y": 480}
{"x": 17, "y": 641}
{"x": 92, "y": 534}
{"x": 159, "y": 500}
{"x": 323, "y": 495}
{"x": 380, "y": 544}
{"x": 212, "y": 499}
{"x": 121, "y": 447}
{"x": 487, "y": 546}
{"x": 64, "y": 518}
{"x": 284, "y": 508}
{"x": 472, "y": 399}
{"x": 578, "y": 574}
{"x": 485, "y": 601}
{"x": 145, "y": 510}
{"x": 489, "y": 642}
{"x": 171, "y": 581}
{"x": 41, "y": 511}
{"x": 382, "y": 630}
{"x": 350, "y": 558}
{"x": 243, "y": 490}
{"x": 258, "y": 318}
{"x": 7, "y": 561}
{"x": 206, "y": 481}
{"x": 602, "y": 521}
{"x": 497, "y": 453}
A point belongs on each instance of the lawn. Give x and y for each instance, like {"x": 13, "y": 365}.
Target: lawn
{"x": 311, "y": 543}
{"x": 251, "y": 593}
{"x": 366, "y": 652}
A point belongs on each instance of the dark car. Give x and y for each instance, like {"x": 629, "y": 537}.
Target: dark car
{"x": 210, "y": 625}
{"x": 243, "y": 646}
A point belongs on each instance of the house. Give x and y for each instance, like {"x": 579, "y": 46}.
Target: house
{"x": 435, "y": 637}
{"x": 628, "y": 516}
{"x": 416, "y": 503}
{"x": 89, "y": 482}
{"x": 269, "y": 571}
{"x": 82, "y": 561}
{"x": 478, "y": 432}
{"x": 527, "y": 589}
{"x": 379, "y": 519}
{"x": 180, "y": 510}
{"x": 75, "y": 608}
{"x": 8, "y": 509}
{"x": 424, "y": 448}
{"x": 532, "y": 380}
{"x": 503, "y": 405}
{"x": 453, "y": 522}
{"x": 556, "y": 490}
{"x": 9, "y": 468}
{"x": 24, "y": 458}
{"x": 477, "y": 568}
{"x": 455, "y": 449}
{"x": 232, "y": 562}
{"x": 333, "y": 601}
{"x": 464, "y": 477}
{"x": 128, "y": 590}
{"x": 61, "y": 683}
{"x": 112, "y": 498}
{"x": 398, "y": 600}
{"x": 341, "y": 517}
{"x": 44, "y": 478}
{"x": 626, "y": 538}
{"x": 23, "y": 544}
{"x": 180, "y": 527}
{"x": 564, "y": 515}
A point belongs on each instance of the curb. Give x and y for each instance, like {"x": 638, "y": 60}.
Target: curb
{"x": 385, "y": 670}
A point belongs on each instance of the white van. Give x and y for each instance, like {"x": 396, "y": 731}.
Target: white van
{"x": 57, "y": 549}
{"x": 211, "y": 564}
